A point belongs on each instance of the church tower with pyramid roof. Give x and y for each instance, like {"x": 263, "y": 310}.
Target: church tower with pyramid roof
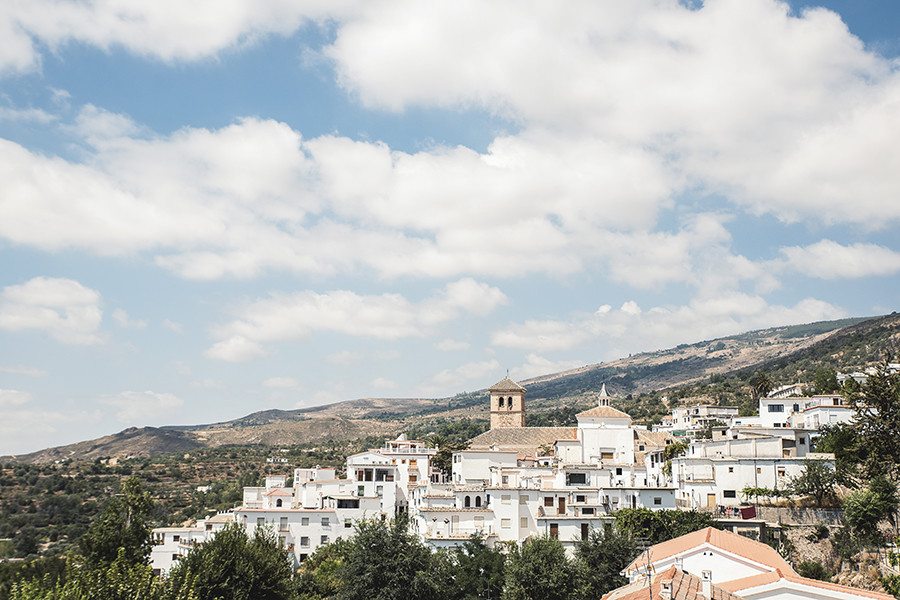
{"x": 507, "y": 404}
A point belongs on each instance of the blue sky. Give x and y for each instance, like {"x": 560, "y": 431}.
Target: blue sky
{"x": 208, "y": 210}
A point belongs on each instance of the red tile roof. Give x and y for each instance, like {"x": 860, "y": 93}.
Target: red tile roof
{"x": 745, "y": 583}
{"x": 684, "y": 586}
{"x": 724, "y": 540}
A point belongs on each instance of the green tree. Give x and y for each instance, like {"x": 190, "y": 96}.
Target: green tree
{"x": 878, "y": 422}
{"x": 813, "y": 570}
{"x": 539, "y": 570}
{"x": 760, "y": 385}
{"x": 842, "y": 440}
{"x": 817, "y": 479}
{"x": 234, "y": 566}
{"x": 866, "y": 508}
{"x": 319, "y": 576}
{"x": 478, "y": 571}
{"x": 825, "y": 381}
{"x": 124, "y": 524}
{"x": 384, "y": 561}
{"x": 659, "y": 526}
{"x": 599, "y": 559}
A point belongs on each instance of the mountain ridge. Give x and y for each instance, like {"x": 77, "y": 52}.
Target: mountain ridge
{"x": 827, "y": 342}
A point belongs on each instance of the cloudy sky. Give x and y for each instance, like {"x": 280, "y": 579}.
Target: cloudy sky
{"x": 212, "y": 208}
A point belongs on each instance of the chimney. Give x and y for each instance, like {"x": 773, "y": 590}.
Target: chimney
{"x": 706, "y": 585}
{"x": 665, "y": 589}
{"x": 679, "y": 563}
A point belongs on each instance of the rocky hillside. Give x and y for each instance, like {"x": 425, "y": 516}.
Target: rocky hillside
{"x": 782, "y": 352}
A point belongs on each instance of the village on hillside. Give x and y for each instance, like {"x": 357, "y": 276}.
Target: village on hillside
{"x": 515, "y": 483}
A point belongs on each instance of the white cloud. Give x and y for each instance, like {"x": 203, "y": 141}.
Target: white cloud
{"x": 454, "y": 379}
{"x": 284, "y": 383}
{"x": 22, "y": 370}
{"x": 135, "y": 408}
{"x": 121, "y": 317}
{"x": 449, "y": 345}
{"x": 173, "y": 326}
{"x": 631, "y": 329}
{"x": 64, "y": 309}
{"x": 829, "y": 260}
{"x": 283, "y": 317}
{"x": 235, "y": 349}
{"x": 10, "y": 398}
{"x": 380, "y": 383}
{"x": 538, "y": 365}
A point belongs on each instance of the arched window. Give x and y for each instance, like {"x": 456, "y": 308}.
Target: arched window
{"x": 509, "y": 404}
{"x": 477, "y": 501}
{"x": 278, "y": 503}
{"x": 468, "y": 502}
{"x": 501, "y": 402}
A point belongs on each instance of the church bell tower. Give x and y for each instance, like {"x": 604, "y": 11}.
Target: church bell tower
{"x": 507, "y": 404}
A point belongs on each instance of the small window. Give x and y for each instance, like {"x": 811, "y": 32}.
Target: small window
{"x": 579, "y": 498}
{"x": 548, "y": 501}
{"x": 506, "y": 480}
{"x": 758, "y": 470}
{"x": 731, "y": 469}
{"x": 479, "y": 522}
{"x": 505, "y": 523}
{"x": 324, "y": 539}
{"x": 361, "y": 490}
{"x": 304, "y": 542}
{"x": 618, "y": 470}
{"x": 304, "y": 521}
{"x": 802, "y": 441}
{"x": 260, "y": 521}
{"x": 587, "y": 510}
{"x": 729, "y": 494}
{"x": 657, "y": 501}
{"x": 325, "y": 522}
{"x": 523, "y": 522}
{"x": 278, "y": 503}
{"x": 577, "y": 478}
{"x": 504, "y": 499}
{"x": 176, "y": 538}
{"x": 523, "y": 499}
{"x": 776, "y": 408}
{"x": 477, "y": 501}
{"x": 348, "y": 523}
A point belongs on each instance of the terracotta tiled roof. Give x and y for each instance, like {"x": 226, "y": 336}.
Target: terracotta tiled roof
{"x": 652, "y": 438}
{"x": 506, "y": 385}
{"x": 746, "y": 583}
{"x": 523, "y": 440}
{"x": 732, "y": 543}
{"x": 684, "y": 586}
{"x": 278, "y": 492}
{"x": 604, "y": 411}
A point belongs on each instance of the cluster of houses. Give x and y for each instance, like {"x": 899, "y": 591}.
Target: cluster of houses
{"x": 514, "y": 482}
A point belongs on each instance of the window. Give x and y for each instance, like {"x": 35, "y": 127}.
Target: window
{"x": 304, "y": 542}
{"x": 176, "y": 538}
{"x": 587, "y": 511}
{"x": 618, "y": 470}
{"x": 348, "y": 523}
{"x": 729, "y": 494}
{"x": 479, "y": 522}
{"x": 802, "y": 441}
{"x": 796, "y": 408}
{"x": 577, "y": 478}
{"x": 504, "y": 499}
{"x": 548, "y": 501}
{"x": 467, "y": 502}
{"x": 283, "y": 525}
{"x": 731, "y": 469}
{"x": 379, "y": 490}
{"x": 505, "y": 523}
{"x": 776, "y": 408}
{"x": 413, "y": 477}
{"x": 325, "y": 522}
{"x": 579, "y": 498}
{"x": 606, "y": 455}
{"x": 500, "y": 403}
{"x": 278, "y": 503}
{"x": 641, "y": 448}
{"x": 477, "y": 501}
{"x": 260, "y": 521}
{"x": 304, "y": 521}
{"x": 657, "y": 501}
{"x": 506, "y": 480}
{"x": 523, "y": 522}
{"x": 781, "y": 472}
{"x": 523, "y": 499}
{"x": 324, "y": 539}
{"x": 759, "y": 470}
{"x": 554, "y": 531}
{"x": 361, "y": 490}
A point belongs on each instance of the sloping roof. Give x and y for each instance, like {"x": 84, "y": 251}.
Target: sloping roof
{"x": 724, "y": 540}
{"x": 523, "y": 440}
{"x": 506, "y": 385}
{"x": 652, "y": 438}
{"x": 604, "y": 411}
{"x": 746, "y": 583}
{"x": 684, "y": 587}
{"x": 278, "y": 492}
